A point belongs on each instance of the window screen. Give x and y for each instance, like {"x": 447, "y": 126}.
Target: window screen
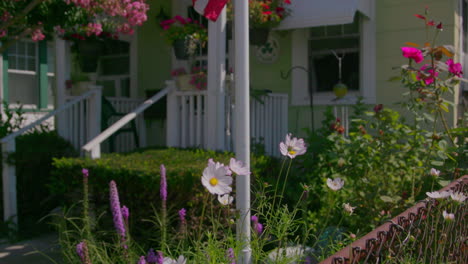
{"x": 325, "y": 44}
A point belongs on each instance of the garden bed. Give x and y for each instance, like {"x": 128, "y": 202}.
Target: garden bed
{"x": 138, "y": 177}
{"x": 412, "y": 236}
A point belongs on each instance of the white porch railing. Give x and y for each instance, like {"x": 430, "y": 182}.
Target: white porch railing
{"x": 83, "y": 123}
{"x": 268, "y": 122}
{"x": 124, "y": 142}
{"x": 93, "y": 147}
{"x": 187, "y": 122}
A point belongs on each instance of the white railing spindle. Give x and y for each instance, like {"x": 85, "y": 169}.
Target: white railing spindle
{"x": 9, "y": 146}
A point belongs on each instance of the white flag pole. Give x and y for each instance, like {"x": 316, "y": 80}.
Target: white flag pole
{"x": 242, "y": 137}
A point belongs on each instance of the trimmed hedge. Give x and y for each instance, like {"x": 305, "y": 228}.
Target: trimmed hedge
{"x": 33, "y": 160}
{"x": 138, "y": 178}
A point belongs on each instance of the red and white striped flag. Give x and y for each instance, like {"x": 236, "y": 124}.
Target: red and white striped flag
{"x": 209, "y": 8}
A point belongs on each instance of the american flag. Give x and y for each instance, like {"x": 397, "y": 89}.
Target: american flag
{"x": 209, "y": 8}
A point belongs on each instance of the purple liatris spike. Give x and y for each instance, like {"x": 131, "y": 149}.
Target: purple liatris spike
{"x": 163, "y": 190}
{"x": 182, "y": 214}
{"x": 142, "y": 260}
{"x": 79, "y": 250}
{"x": 125, "y": 213}
{"x": 82, "y": 251}
{"x": 231, "y": 256}
{"x": 259, "y": 228}
{"x": 151, "y": 256}
{"x": 257, "y": 225}
{"x": 116, "y": 209}
{"x": 85, "y": 172}
{"x": 160, "y": 258}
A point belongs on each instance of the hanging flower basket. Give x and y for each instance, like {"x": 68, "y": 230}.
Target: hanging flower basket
{"x": 89, "y": 52}
{"x": 180, "y": 51}
{"x": 259, "y": 36}
{"x": 183, "y": 82}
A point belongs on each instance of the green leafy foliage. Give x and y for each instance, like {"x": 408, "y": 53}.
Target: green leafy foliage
{"x": 33, "y": 161}
{"x": 138, "y": 177}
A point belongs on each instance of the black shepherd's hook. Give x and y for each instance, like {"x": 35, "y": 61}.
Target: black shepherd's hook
{"x": 311, "y": 94}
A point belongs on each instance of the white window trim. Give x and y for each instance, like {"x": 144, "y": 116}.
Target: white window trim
{"x": 367, "y": 78}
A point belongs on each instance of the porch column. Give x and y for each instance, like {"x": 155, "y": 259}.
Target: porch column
{"x": 242, "y": 124}
{"x": 216, "y": 82}
{"x": 1, "y": 84}
{"x": 62, "y": 73}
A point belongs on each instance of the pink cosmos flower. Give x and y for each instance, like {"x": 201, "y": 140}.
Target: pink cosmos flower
{"x": 454, "y": 68}
{"x": 427, "y": 74}
{"x": 238, "y": 167}
{"x": 412, "y": 53}
{"x": 215, "y": 178}
{"x": 292, "y": 147}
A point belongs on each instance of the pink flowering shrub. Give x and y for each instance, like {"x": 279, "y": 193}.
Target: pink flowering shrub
{"x": 439, "y": 74}
{"x": 180, "y": 28}
{"x": 78, "y": 19}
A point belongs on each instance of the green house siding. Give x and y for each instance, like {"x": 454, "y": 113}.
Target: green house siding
{"x": 154, "y": 55}
{"x": 396, "y": 24}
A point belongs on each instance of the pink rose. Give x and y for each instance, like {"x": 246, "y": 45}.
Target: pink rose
{"x": 427, "y": 74}
{"x": 454, "y": 68}
{"x": 412, "y": 53}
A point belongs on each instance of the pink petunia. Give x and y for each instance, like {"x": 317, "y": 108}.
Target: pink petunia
{"x": 412, "y": 53}
{"x": 454, "y": 68}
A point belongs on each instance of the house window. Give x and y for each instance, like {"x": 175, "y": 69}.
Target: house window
{"x": 22, "y": 56}
{"x": 114, "y": 69}
{"x": 327, "y": 45}
{"x": 317, "y": 50}
{"x": 30, "y": 75}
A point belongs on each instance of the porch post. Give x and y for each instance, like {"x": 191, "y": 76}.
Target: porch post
{"x": 62, "y": 73}
{"x": 216, "y": 81}
{"x": 10, "y": 212}
{"x": 1, "y": 84}
{"x": 242, "y": 124}
{"x": 173, "y": 117}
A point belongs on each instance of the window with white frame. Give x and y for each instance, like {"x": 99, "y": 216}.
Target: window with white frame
{"x": 327, "y": 46}
{"x": 22, "y": 56}
{"x": 317, "y": 50}
{"x": 23, "y": 74}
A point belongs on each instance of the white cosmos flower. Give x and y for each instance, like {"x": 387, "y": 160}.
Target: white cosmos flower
{"x": 348, "y": 208}
{"x": 292, "y": 147}
{"x": 290, "y": 255}
{"x": 335, "y": 184}
{"x": 458, "y": 197}
{"x": 180, "y": 260}
{"x": 438, "y": 195}
{"x": 435, "y": 172}
{"x": 225, "y": 199}
{"x": 216, "y": 179}
{"x": 238, "y": 167}
{"x": 448, "y": 216}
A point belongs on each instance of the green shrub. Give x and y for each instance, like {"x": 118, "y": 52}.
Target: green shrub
{"x": 33, "y": 160}
{"x": 138, "y": 178}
